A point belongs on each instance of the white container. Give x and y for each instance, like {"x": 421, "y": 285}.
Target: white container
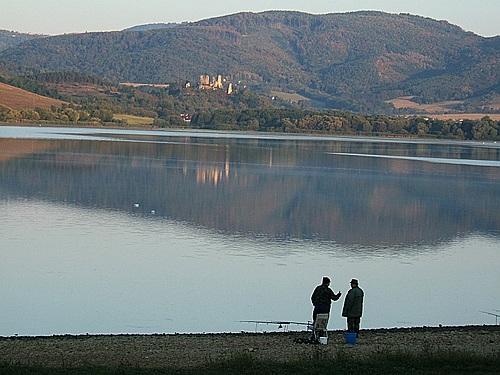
{"x": 323, "y": 340}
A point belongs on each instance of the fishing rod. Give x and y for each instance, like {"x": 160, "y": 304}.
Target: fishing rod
{"x": 492, "y": 314}
{"x": 280, "y": 323}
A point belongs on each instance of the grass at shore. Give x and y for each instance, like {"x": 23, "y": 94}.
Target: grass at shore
{"x": 343, "y": 363}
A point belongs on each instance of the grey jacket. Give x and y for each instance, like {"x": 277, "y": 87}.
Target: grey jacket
{"x": 353, "y": 303}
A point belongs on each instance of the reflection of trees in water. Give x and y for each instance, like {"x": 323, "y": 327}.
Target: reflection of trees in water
{"x": 290, "y": 189}
{"x": 14, "y": 148}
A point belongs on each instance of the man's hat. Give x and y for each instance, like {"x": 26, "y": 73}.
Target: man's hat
{"x": 354, "y": 281}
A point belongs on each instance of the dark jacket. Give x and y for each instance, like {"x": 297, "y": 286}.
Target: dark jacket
{"x": 323, "y": 295}
{"x": 353, "y": 303}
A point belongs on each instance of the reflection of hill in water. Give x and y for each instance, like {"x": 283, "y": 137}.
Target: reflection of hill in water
{"x": 261, "y": 188}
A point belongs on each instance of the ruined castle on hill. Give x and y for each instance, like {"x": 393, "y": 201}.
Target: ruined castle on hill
{"x": 215, "y": 83}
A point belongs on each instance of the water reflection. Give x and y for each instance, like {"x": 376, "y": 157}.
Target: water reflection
{"x": 280, "y": 190}
{"x": 122, "y": 235}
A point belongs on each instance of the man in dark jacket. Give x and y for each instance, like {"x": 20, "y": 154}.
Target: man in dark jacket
{"x": 322, "y": 298}
{"x": 353, "y": 307}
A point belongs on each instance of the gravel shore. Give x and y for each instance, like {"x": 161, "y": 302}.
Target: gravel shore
{"x": 191, "y": 350}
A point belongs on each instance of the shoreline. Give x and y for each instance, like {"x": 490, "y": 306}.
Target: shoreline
{"x": 384, "y": 138}
{"x": 183, "y": 351}
{"x": 442, "y": 328}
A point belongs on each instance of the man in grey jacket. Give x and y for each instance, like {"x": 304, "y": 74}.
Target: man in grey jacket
{"x": 353, "y": 307}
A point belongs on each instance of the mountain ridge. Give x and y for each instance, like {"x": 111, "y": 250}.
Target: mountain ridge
{"x": 354, "y": 60}
{"x": 10, "y": 39}
{"x": 152, "y": 26}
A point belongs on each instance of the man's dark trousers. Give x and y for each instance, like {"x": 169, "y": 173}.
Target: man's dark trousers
{"x": 353, "y": 324}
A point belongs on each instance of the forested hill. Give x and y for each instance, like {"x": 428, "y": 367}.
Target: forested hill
{"x": 152, "y": 26}
{"x": 11, "y": 38}
{"x": 354, "y": 61}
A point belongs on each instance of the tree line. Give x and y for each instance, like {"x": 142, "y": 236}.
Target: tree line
{"x": 346, "y": 123}
{"x": 54, "y": 114}
{"x": 278, "y": 120}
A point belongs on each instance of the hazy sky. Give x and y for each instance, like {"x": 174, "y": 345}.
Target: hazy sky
{"x": 66, "y": 16}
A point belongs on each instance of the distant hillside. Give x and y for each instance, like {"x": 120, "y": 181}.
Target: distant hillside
{"x": 11, "y": 38}
{"x": 152, "y": 26}
{"x": 16, "y": 98}
{"x": 354, "y": 61}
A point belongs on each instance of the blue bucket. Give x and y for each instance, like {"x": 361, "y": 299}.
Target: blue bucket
{"x": 350, "y": 338}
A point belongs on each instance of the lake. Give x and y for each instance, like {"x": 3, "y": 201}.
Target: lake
{"x": 122, "y": 231}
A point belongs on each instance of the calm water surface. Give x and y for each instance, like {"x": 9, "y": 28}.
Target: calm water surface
{"x": 106, "y": 231}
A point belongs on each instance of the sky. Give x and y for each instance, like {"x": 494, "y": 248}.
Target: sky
{"x": 74, "y": 16}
